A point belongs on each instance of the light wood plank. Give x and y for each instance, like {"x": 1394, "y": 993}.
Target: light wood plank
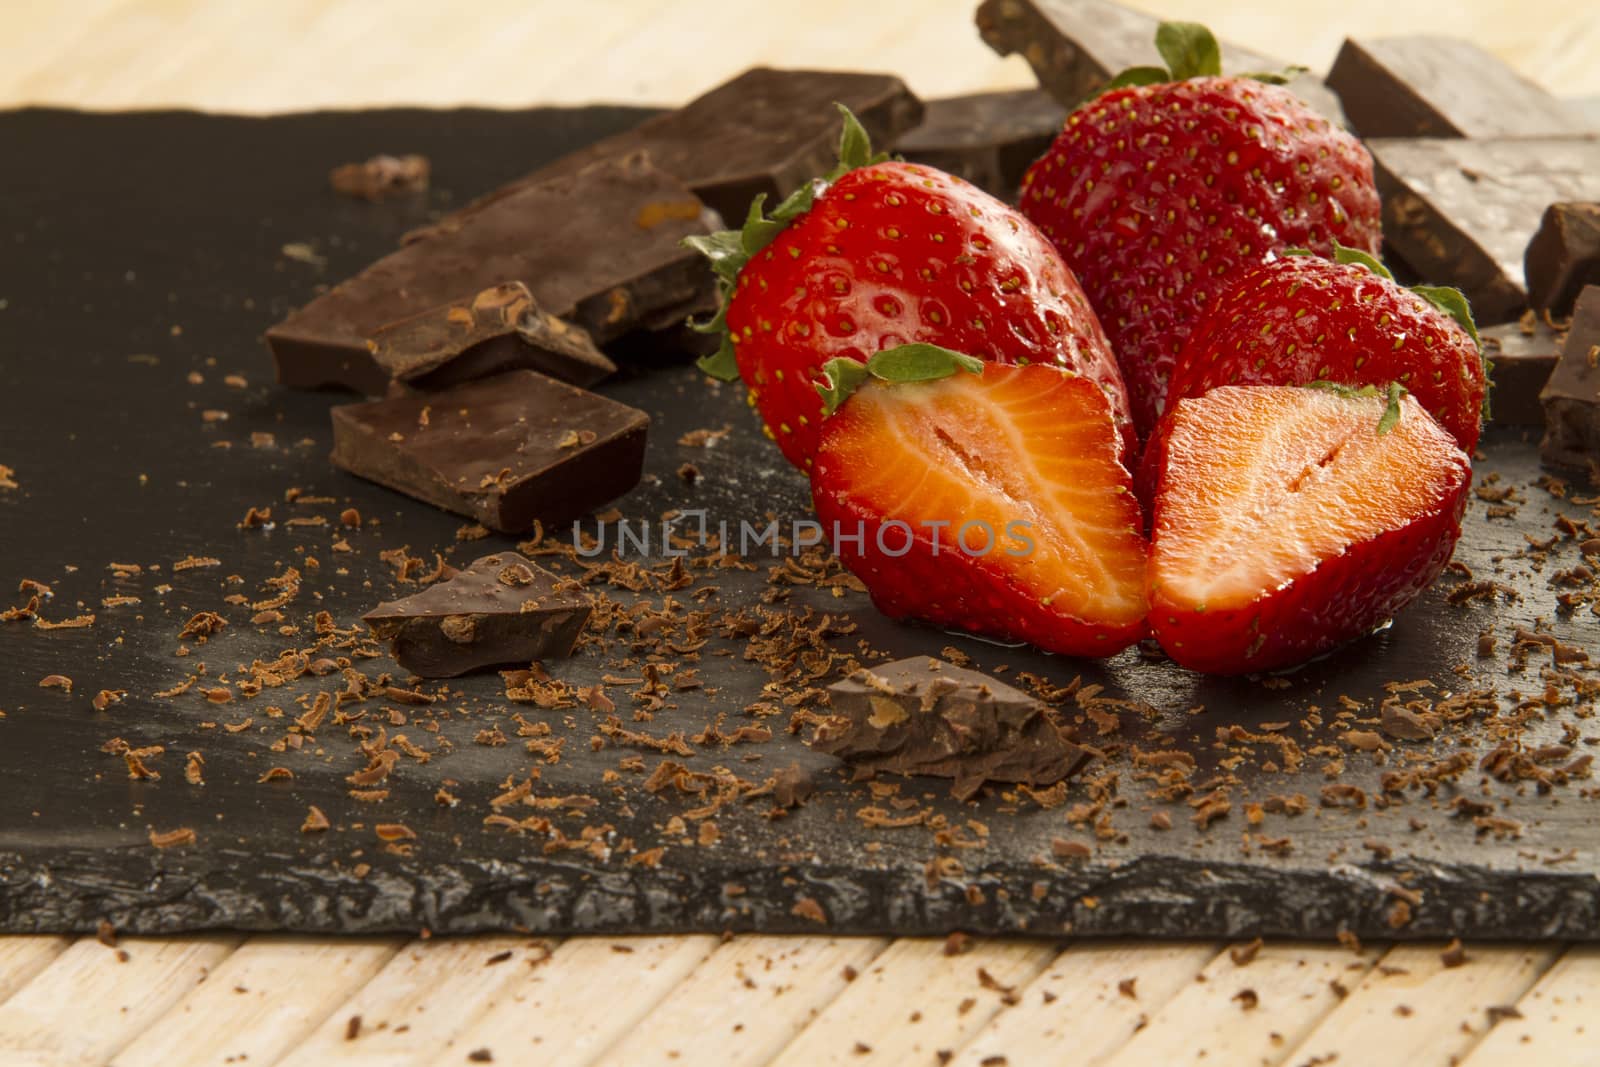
{"x": 593, "y": 991}
{"x": 260, "y": 1002}
{"x": 745, "y": 1002}
{"x": 1076, "y": 1003}
{"x": 23, "y": 956}
{"x": 1560, "y": 1022}
{"x": 86, "y": 1005}
{"x": 427, "y": 994}
{"x": 1414, "y": 1010}
{"x": 914, "y": 1002}
{"x": 1252, "y": 1014}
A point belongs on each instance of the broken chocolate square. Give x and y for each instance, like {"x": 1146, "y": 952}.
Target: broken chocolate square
{"x": 990, "y": 139}
{"x": 1563, "y": 256}
{"x": 925, "y": 716}
{"x": 1572, "y": 397}
{"x": 499, "y": 329}
{"x": 508, "y": 451}
{"x": 501, "y": 609}
{"x": 1443, "y": 87}
{"x": 1521, "y": 356}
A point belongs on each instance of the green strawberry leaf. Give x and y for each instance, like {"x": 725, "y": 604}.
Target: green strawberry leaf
{"x": 725, "y": 251}
{"x": 1391, "y": 409}
{"x": 905, "y": 363}
{"x": 855, "y": 147}
{"x": 721, "y": 364}
{"x": 1277, "y": 77}
{"x": 1135, "y": 76}
{"x": 1349, "y": 392}
{"x": 1191, "y": 51}
{"x": 1452, "y": 302}
{"x": 841, "y": 377}
{"x": 1348, "y": 256}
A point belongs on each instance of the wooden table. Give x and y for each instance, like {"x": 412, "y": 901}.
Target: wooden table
{"x": 749, "y": 1000}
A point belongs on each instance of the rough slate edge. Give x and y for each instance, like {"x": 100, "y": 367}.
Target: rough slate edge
{"x": 84, "y": 858}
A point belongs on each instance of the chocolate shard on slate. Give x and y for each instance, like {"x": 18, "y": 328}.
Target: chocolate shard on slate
{"x": 924, "y": 716}
{"x": 599, "y": 247}
{"x": 508, "y": 451}
{"x": 501, "y": 609}
{"x": 766, "y": 131}
{"x": 1572, "y": 396}
{"x": 1462, "y": 212}
{"x": 990, "y": 139}
{"x": 501, "y": 328}
{"x": 1076, "y": 46}
{"x": 1521, "y": 356}
{"x": 1563, "y": 256}
{"x": 1443, "y": 87}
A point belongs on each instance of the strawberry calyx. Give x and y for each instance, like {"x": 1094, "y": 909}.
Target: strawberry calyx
{"x": 1394, "y": 394}
{"x": 918, "y": 362}
{"x": 1190, "y": 51}
{"x": 729, "y": 250}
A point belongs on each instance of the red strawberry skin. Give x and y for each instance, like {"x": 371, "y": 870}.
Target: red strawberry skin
{"x": 1285, "y": 526}
{"x": 1302, "y": 319}
{"x": 1159, "y": 196}
{"x": 896, "y": 253}
{"x": 1032, "y": 444}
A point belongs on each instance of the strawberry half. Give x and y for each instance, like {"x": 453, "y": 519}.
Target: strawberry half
{"x": 995, "y": 503}
{"x": 1289, "y": 521}
{"x": 1302, "y": 319}
{"x": 886, "y": 254}
{"x": 1160, "y": 192}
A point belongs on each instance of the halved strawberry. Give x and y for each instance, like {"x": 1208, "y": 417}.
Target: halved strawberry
{"x": 995, "y": 503}
{"x": 1291, "y": 520}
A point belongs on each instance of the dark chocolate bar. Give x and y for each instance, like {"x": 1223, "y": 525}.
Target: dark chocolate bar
{"x": 1076, "y": 46}
{"x": 1521, "y": 356}
{"x": 500, "y": 609}
{"x": 501, "y": 328}
{"x": 1572, "y": 396}
{"x": 925, "y": 716}
{"x": 990, "y": 139}
{"x": 766, "y": 131}
{"x": 1563, "y": 256}
{"x": 598, "y": 247}
{"x": 1443, "y": 87}
{"x": 508, "y": 451}
{"x": 1462, "y": 212}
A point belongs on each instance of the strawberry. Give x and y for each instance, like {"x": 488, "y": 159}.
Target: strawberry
{"x": 1290, "y": 520}
{"x": 1159, "y": 192}
{"x": 1302, "y": 319}
{"x": 884, "y": 254}
{"x": 993, "y": 502}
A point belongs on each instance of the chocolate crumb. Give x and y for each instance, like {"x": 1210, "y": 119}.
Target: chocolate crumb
{"x": 1243, "y": 955}
{"x": 173, "y": 838}
{"x": 480, "y": 1055}
{"x": 316, "y": 822}
{"x": 352, "y": 1028}
{"x": 1454, "y": 955}
{"x": 1127, "y": 988}
{"x": 1246, "y": 999}
{"x": 957, "y": 943}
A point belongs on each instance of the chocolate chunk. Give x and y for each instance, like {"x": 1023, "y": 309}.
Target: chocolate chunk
{"x": 381, "y": 177}
{"x": 1521, "y": 356}
{"x": 502, "y": 328}
{"x": 1563, "y": 256}
{"x": 989, "y": 139}
{"x": 1572, "y": 397}
{"x": 924, "y": 716}
{"x": 501, "y": 609}
{"x": 766, "y": 131}
{"x": 1461, "y": 212}
{"x": 1076, "y": 46}
{"x": 599, "y": 248}
{"x": 507, "y": 451}
{"x": 1443, "y": 87}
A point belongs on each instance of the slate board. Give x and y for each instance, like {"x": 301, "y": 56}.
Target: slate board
{"x": 142, "y": 247}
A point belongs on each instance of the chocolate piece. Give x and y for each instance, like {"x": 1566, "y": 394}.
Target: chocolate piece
{"x": 381, "y": 177}
{"x": 766, "y": 131}
{"x": 1521, "y": 356}
{"x": 1076, "y": 46}
{"x": 1443, "y": 87}
{"x": 1563, "y": 256}
{"x": 502, "y": 328}
{"x": 1461, "y": 212}
{"x": 507, "y": 451}
{"x": 989, "y": 139}
{"x": 1572, "y": 396}
{"x": 501, "y": 609}
{"x": 924, "y": 716}
{"x": 599, "y": 247}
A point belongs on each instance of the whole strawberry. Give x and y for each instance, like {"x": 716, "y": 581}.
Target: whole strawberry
{"x": 1302, "y": 319}
{"x": 885, "y": 254}
{"x": 1162, "y": 190}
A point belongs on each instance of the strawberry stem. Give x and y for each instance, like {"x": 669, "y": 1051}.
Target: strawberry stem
{"x": 917, "y": 362}
{"x": 1190, "y": 51}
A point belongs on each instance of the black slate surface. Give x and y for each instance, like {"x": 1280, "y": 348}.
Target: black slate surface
{"x": 140, "y": 248}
